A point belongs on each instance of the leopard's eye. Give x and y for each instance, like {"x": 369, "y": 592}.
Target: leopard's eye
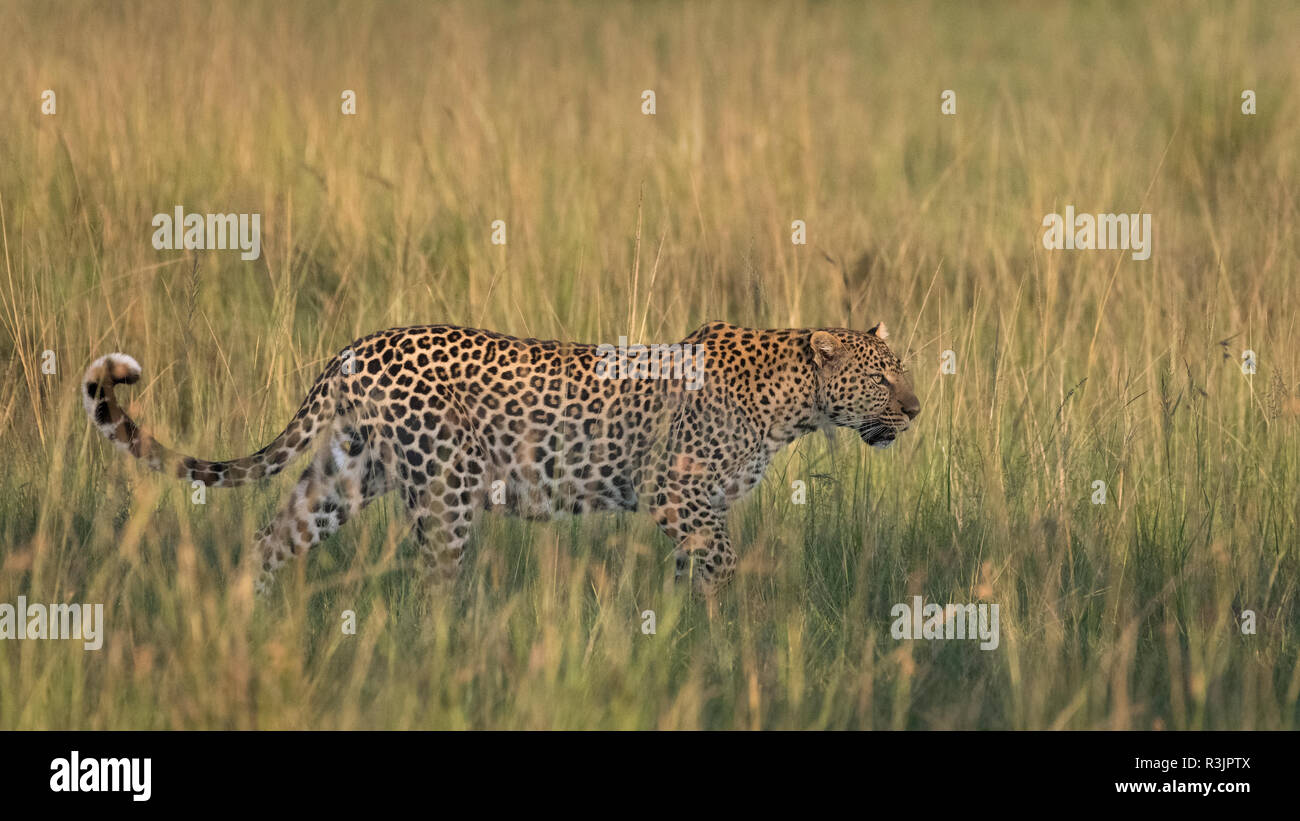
{"x": 880, "y": 378}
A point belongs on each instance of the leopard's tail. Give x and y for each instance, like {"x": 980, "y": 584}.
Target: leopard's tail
{"x": 107, "y": 415}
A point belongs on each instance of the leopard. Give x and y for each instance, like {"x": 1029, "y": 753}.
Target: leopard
{"x": 461, "y": 421}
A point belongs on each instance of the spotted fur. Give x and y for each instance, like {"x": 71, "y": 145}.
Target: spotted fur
{"x": 460, "y": 419}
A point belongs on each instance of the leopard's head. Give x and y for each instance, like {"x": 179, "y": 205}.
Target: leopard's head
{"x": 861, "y": 384}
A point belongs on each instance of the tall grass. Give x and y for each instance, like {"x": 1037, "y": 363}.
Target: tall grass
{"x": 1070, "y": 367}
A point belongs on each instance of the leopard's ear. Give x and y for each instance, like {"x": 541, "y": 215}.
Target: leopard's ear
{"x": 880, "y": 331}
{"x": 826, "y": 346}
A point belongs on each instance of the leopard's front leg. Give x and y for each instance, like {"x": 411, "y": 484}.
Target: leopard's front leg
{"x": 699, "y": 529}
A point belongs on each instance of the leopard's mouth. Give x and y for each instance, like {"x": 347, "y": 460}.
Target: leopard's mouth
{"x": 881, "y": 440}
{"x": 878, "y": 436}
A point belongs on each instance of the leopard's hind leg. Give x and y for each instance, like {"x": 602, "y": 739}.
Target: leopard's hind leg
{"x": 343, "y": 478}
{"x": 443, "y": 506}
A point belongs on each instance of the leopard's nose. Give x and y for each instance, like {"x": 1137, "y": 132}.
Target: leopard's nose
{"x": 911, "y": 406}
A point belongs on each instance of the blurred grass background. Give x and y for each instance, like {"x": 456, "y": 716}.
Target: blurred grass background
{"x": 1071, "y": 367}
